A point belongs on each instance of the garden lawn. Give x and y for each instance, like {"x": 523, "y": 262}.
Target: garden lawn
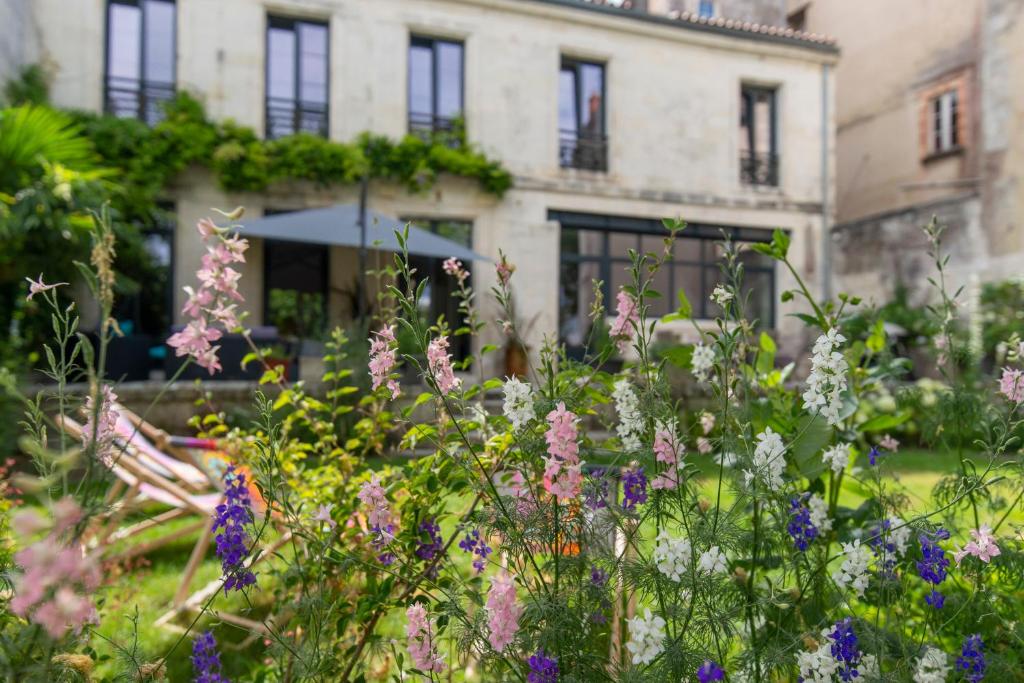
{"x": 139, "y": 591}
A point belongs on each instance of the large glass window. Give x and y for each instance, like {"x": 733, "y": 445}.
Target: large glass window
{"x": 437, "y": 299}
{"x": 295, "y": 288}
{"x": 581, "y": 116}
{"x": 435, "y": 84}
{"x": 759, "y": 158}
{"x": 597, "y": 248}
{"x": 140, "y": 58}
{"x": 297, "y": 77}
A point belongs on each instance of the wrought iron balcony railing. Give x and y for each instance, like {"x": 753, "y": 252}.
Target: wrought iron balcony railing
{"x": 450, "y": 129}
{"x": 134, "y": 98}
{"x": 287, "y": 117}
{"x": 585, "y": 151}
{"x": 759, "y": 168}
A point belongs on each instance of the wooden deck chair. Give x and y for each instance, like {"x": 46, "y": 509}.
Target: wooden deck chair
{"x": 182, "y": 448}
{"x": 190, "y": 476}
{"x": 140, "y": 480}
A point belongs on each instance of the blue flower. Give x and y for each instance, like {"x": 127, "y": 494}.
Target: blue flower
{"x": 844, "y": 649}
{"x": 972, "y": 659}
{"x": 543, "y": 669}
{"x": 933, "y": 563}
{"x": 873, "y": 455}
{"x": 595, "y": 490}
{"x": 234, "y": 516}
{"x": 634, "y": 487}
{"x": 206, "y": 660}
{"x": 800, "y": 526}
{"x": 598, "y": 577}
{"x": 710, "y": 671}
{"x": 472, "y": 543}
{"x": 427, "y": 548}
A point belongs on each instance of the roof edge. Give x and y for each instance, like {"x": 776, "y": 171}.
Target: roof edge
{"x": 719, "y": 26}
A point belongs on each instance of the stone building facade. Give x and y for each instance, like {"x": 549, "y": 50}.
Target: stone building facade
{"x": 609, "y": 117}
{"x": 930, "y": 121}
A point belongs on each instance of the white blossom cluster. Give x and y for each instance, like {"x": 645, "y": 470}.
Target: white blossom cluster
{"x": 646, "y": 637}
{"x": 713, "y": 561}
{"x": 721, "y": 295}
{"x": 630, "y": 422}
{"x": 769, "y": 461}
{"x": 932, "y": 666}
{"x": 819, "y": 514}
{"x": 837, "y": 457}
{"x": 899, "y": 535}
{"x": 518, "y": 406}
{"x": 827, "y": 381}
{"x": 702, "y": 362}
{"x": 854, "y": 570}
{"x": 820, "y": 666}
{"x": 672, "y": 555}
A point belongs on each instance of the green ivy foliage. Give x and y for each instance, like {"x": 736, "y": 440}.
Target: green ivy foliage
{"x": 150, "y": 157}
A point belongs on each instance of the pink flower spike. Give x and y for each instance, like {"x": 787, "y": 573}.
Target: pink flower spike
{"x": 453, "y": 267}
{"x": 38, "y": 286}
{"x": 627, "y": 317}
{"x": 418, "y": 630}
{"x": 207, "y": 228}
{"x": 384, "y": 359}
{"x": 983, "y": 546}
{"x": 439, "y": 362}
{"x": 889, "y": 443}
{"x": 1011, "y": 385}
{"x": 503, "y": 612}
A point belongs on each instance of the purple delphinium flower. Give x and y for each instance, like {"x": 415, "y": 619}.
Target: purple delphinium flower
{"x": 543, "y": 669}
{"x": 431, "y": 543}
{"x": 206, "y": 660}
{"x": 598, "y": 577}
{"x": 472, "y": 543}
{"x": 972, "y": 659}
{"x": 874, "y": 455}
{"x": 710, "y": 671}
{"x": 844, "y": 649}
{"x": 932, "y": 565}
{"x": 800, "y": 526}
{"x": 595, "y": 490}
{"x": 880, "y": 541}
{"x": 234, "y": 516}
{"x": 634, "y": 488}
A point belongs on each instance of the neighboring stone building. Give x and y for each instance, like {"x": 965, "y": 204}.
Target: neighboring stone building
{"x": 609, "y": 115}
{"x": 930, "y": 121}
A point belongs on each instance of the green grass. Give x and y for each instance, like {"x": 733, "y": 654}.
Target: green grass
{"x": 145, "y": 587}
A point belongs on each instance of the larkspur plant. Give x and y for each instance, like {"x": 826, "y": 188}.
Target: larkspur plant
{"x": 598, "y": 528}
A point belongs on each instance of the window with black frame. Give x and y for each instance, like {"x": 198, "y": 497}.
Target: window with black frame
{"x": 435, "y": 85}
{"x": 297, "y": 77}
{"x": 597, "y": 248}
{"x": 759, "y": 157}
{"x": 140, "y": 58}
{"x": 582, "y": 142}
{"x": 295, "y": 287}
{"x": 437, "y": 299}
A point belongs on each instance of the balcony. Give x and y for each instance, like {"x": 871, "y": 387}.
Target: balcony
{"x": 136, "y": 99}
{"x": 759, "y": 168}
{"x": 588, "y": 152}
{"x": 287, "y": 117}
{"x": 449, "y": 129}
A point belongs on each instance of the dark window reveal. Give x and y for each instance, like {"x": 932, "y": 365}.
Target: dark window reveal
{"x": 596, "y": 248}
{"x": 297, "y": 77}
{"x": 435, "y": 84}
{"x": 140, "y": 58}
{"x": 759, "y": 158}
{"x": 295, "y": 288}
{"x": 582, "y": 142}
{"x": 437, "y": 299}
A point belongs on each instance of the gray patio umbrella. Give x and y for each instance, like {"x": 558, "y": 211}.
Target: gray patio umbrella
{"x": 339, "y": 225}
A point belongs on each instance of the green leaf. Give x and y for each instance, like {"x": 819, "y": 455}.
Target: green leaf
{"x": 780, "y": 244}
{"x": 876, "y": 341}
{"x": 815, "y": 434}
{"x": 882, "y": 422}
{"x": 679, "y": 356}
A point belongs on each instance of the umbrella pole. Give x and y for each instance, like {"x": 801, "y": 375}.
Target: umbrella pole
{"x": 361, "y": 292}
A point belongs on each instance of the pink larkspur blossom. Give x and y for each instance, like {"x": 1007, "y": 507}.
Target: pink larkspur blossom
{"x": 418, "y": 630}
{"x": 372, "y": 495}
{"x": 703, "y": 445}
{"x": 563, "y": 475}
{"x": 1011, "y": 385}
{"x": 440, "y": 363}
{"x": 38, "y": 286}
{"x": 213, "y": 303}
{"x": 383, "y": 359}
{"x": 453, "y": 267}
{"x": 667, "y": 449}
{"x": 105, "y": 426}
{"x": 889, "y": 443}
{"x": 982, "y": 546}
{"x": 707, "y": 422}
{"x": 627, "y": 316}
{"x": 56, "y": 579}
{"x": 504, "y": 270}
{"x": 503, "y": 612}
